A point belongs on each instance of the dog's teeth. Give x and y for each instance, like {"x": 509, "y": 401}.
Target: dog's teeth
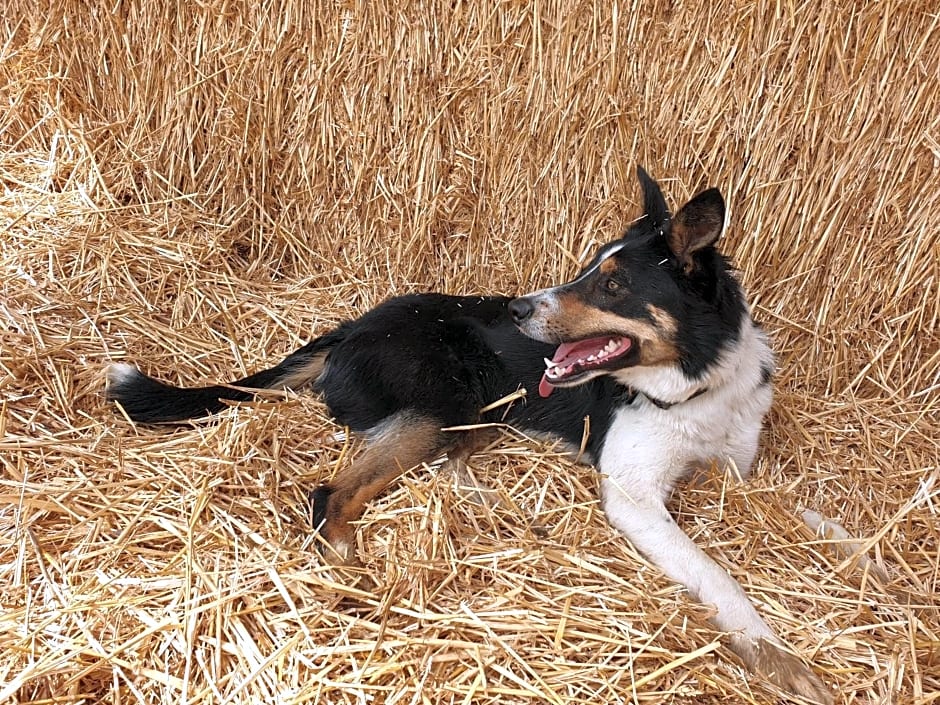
{"x": 548, "y": 363}
{"x": 591, "y": 358}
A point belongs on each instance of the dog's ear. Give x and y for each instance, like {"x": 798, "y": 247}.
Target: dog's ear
{"x": 654, "y": 204}
{"x": 696, "y": 226}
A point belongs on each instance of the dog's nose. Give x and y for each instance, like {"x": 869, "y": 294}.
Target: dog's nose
{"x": 520, "y": 309}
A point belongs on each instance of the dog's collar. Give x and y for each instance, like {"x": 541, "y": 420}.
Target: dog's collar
{"x": 630, "y": 394}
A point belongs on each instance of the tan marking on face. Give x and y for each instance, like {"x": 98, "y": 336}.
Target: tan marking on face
{"x": 663, "y": 320}
{"x": 608, "y": 266}
{"x": 574, "y": 320}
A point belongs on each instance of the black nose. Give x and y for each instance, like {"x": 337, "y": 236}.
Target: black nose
{"x": 520, "y": 309}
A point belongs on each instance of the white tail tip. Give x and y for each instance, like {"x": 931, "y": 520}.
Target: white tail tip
{"x": 120, "y": 372}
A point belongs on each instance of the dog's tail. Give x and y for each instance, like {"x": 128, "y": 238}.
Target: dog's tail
{"x": 146, "y": 400}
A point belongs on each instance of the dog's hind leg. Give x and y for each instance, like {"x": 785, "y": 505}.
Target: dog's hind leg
{"x": 465, "y": 480}
{"x": 636, "y": 507}
{"x": 402, "y": 442}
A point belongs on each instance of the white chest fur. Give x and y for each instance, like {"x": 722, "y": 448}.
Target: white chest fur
{"x": 648, "y": 448}
{"x": 647, "y": 445}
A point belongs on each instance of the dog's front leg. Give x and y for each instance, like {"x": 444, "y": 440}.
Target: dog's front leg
{"x": 636, "y": 507}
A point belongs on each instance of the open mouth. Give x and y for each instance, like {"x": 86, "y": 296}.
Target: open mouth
{"x": 573, "y": 362}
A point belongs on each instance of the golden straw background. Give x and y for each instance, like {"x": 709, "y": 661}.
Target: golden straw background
{"x": 199, "y": 188}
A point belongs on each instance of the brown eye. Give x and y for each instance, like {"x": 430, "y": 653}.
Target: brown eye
{"x": 611, "y": 285}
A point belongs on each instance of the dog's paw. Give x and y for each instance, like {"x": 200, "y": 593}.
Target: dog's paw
{"x": 788, "y": 671}
{"x": 334, "y": 542}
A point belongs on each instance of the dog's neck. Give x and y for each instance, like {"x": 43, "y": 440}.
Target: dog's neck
{"x": 630, "y": 395}
{"x": 743, "y": 365}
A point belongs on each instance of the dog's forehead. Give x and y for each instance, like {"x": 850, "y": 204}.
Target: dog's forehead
{"x": 606, "y": 252}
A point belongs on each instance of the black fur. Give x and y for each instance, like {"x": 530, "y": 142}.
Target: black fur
{"x": 319, "y": 500}
{"x": 148, "y": 401}
{"x": 446, "y": 357}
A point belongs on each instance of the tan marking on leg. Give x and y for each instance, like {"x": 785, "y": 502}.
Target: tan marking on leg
{"x": 402, "y": 444}
{"x": 306, "y": 373}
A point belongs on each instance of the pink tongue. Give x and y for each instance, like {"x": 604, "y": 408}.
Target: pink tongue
{"x": 569, "y": 353}
{"x": 545, "y": 387}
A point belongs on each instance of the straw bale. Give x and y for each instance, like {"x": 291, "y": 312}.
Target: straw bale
{"x": 199, "y": 187}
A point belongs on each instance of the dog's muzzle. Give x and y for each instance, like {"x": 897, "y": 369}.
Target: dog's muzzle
{"x": 532, "y": 314}
{"x": 521, "y": 309}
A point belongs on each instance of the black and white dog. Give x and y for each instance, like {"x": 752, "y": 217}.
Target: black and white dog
{"x": 652, "y": 342}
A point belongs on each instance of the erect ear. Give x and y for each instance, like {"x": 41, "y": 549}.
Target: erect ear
{"x": 654, "y": 205}
{"x": 696, "y": 226}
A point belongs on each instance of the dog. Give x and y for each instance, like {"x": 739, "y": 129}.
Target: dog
{"x": 652, "y": 341}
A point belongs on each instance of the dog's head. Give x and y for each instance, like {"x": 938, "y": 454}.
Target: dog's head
{"x": 659, "y": 296}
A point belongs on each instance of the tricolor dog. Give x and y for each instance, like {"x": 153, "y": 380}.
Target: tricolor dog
{"x": 653, "y": 342}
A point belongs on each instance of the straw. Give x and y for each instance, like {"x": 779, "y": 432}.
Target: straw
{"x": 199, "y": 188}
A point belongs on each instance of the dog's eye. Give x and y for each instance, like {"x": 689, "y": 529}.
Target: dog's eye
{"x": 611, "y": 285}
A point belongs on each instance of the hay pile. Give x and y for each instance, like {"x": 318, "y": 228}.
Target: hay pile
{"x": 199, "y": 187}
